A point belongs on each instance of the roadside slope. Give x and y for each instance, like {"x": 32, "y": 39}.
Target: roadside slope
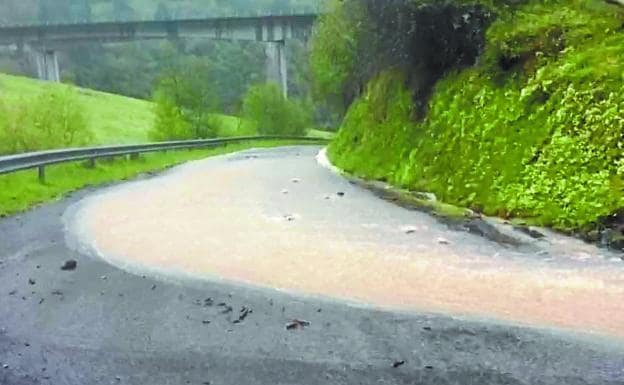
{"x": 532, "y": 130}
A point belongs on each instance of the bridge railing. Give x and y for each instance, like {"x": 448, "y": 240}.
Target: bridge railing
{"x": 39, "y": 160}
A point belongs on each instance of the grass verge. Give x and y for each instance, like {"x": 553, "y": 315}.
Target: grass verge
{"x": 21, "y": 191}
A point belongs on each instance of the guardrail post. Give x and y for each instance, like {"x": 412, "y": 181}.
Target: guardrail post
{"x": 134, "y": 156}
{"x": 91, "y": 163}
{"x": 41, "y": 174}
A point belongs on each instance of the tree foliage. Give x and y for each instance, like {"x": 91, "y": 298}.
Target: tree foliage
{"x": 55, "y": 119}
{"x": 185, "y": 102}
{"x": 273, "y": 114}
{"x": 533, "y": 129}
{"x": 357, "y": 39}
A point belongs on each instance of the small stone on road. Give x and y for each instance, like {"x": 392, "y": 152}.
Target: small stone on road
{"x": 69, "y": 265}
{"x": 297, "y": 324}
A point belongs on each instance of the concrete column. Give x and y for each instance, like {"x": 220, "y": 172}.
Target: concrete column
{"x": 46, "y": 61}
{"x": 277, "y": 70}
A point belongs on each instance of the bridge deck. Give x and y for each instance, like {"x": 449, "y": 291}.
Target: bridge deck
{"x": 257, "y": 28}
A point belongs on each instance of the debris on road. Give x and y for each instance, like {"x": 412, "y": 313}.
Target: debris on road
{"x": 57, "y": 292}
{"x": 228, "y": 309}
{"x": 284, "y": 191}
{"x": 205, "y": 322}
{"x": 443, "y": 241}
{"x": 154, "y": 287}
{"x": 208, "y": 302}
{"x": 70, "y": 265}
{"x": 103, "y": 278}
{"x": 13, "y": 292}
{"x": 409, "y": 229}
{"x": 31, "y": 281}
{"x": 396, "y": 364}
{"x": 340, "y": 193}
{"x": 297, "y": 324}
{"x": 529, "y": 231}
{"x": 289, "y": 217}
{"x": 244, "y": 312}
{"x": 295, "y": 180}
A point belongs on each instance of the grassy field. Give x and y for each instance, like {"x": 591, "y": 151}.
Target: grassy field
{"x": 113, "y": 119}
{"x": 21, "y": 191}
{"x": 116, "y": 119}
{"x": 314, "y": 133}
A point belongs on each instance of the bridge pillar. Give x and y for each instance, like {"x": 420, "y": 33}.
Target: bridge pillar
{"x": 47, "y": 64}
{"x": 276, "y": 65}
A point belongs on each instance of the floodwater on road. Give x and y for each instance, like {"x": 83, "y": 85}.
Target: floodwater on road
{"x": 276, "y": 218}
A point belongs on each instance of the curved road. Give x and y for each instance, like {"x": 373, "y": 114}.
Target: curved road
{"x": 215, "y": 320}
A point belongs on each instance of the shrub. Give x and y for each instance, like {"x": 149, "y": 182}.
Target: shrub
{"x": 273, "y": 114}
{"x": 55, "y": 119}
{"x": 185, "y": 103}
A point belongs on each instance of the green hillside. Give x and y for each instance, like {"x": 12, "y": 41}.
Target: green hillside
{"x": 512, "y": 108}
{"x": 112, "y": 119}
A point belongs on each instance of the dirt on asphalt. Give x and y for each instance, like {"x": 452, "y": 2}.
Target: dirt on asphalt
{"x": 102, "y": 324}
{"x": 280, "y": 222}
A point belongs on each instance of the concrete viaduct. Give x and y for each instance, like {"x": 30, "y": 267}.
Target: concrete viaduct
{"x": 43, "y": 41}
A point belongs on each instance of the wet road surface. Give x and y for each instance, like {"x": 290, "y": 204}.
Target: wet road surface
{"x": 130, "y": 321}
{"x": 278, "y": 219}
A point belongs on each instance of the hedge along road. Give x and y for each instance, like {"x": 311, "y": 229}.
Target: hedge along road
{"x": 193, "y": 257}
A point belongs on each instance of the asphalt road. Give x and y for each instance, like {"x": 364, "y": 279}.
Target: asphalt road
{"x": 100, "y": 324}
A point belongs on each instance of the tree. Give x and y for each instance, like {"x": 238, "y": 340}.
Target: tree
{"x": 186, "y": 102}
{"x": 273, "y": 114}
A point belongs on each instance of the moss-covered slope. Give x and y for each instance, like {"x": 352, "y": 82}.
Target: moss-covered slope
{"x": 534, "y": 129}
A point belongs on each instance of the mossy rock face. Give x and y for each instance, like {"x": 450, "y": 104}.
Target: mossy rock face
{"x": 538, "y": 137}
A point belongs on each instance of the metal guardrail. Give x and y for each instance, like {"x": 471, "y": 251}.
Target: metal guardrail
{"x": 39, "y": 160}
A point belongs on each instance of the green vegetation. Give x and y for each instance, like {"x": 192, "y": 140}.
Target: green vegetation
{"x": 185, "y": 103}
{"x": 30, "y": 117}
{"x": 22, "y": 190}
{"x": 36, "y": 115}
{"x": 133, "y": 68}
{"x": 321, "y": 134}
{"x": 54, "y": 119}
{"x": 112, "y": 119}
{"x": 533, "y": 130}
{"x": 273, "y": 114}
